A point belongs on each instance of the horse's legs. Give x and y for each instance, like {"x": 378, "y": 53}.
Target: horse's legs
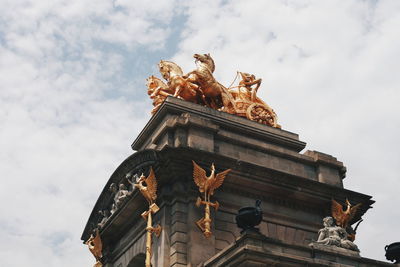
{"x": 191, "y": 77}
{"x": 177, "y": 91}
{"x": 226, "y": 102}
{"x": 203, "y": 97}
{"x": 155, "y": 92}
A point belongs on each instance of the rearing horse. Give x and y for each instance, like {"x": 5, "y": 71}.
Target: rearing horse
{"x": 181, "y": 86}
{"x": 217, "y": 96}
{"x": 158, "y": 91}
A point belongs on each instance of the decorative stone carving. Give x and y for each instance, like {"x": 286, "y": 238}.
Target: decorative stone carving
{"x": 120, "y": 196}
{"x": 333, "y": 235}
{"x": 105, "y": 215}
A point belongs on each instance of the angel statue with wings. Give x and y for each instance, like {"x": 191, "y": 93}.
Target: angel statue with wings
{"x": 148, "y": 188}
{"x": 207, "y": 185}
{"x": 346, "y": 217}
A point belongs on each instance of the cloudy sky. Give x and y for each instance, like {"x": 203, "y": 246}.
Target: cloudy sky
{"x": 73, "y": 98}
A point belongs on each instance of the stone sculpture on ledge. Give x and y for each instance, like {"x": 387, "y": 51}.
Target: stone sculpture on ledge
{"x": 120, "y": 195}
{"x": 105, "y": 214}
{"x": 200, "y": 86}
{"x": 267, "y": 164}
{"x": 333, "y": 235}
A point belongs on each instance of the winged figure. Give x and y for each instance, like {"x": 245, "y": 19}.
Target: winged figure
{"x": 343, "y": 217}
{"x": 149, "y": 190}
{"x": 95, "y": 246}
{"x": 207, "y": 184}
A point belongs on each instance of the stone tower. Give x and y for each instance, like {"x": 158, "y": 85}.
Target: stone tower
{"x": 267, "y": 164}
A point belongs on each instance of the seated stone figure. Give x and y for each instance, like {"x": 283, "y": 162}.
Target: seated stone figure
{"x": 246, "y": 90}
{"x": 332, "y": 235}
{"x": 119, "y": 196}
{"x": 104, "y": 217}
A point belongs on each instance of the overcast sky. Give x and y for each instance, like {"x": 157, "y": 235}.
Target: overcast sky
{"x": 73, "y": 98}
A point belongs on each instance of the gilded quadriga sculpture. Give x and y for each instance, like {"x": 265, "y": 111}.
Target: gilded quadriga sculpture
{"x": 200, "y": 86}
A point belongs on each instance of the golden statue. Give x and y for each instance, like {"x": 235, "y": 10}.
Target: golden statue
{"x": 245, "y": 90}
{"x": 95, "y": 246}
{"x": 249, "y": 105}
{"x": 216, "y": 95}
{"x": 181, "y": 87}
{"x": 199, "y": 86}
{"x": 158, "y": 91}
{"x": 207, "y": 185}
{"x": 149, "y": 193}
{"x": 343, "y": 217}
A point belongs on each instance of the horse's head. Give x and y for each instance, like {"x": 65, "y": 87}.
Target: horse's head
{"x": 151, "y": 82}
{"x": 164, "y": 69}
{"x": 169, "y": 69}
{"x": 206, "y": 59}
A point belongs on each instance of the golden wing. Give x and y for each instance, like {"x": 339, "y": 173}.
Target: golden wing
{"x": 98, "y": 246}
{"x": 354, "y": 210}
{"x": 199, "y": 176}
{"x": 219, "y": 179}
{"x": 151, "y": 184}
{"x": 337, "y": 210}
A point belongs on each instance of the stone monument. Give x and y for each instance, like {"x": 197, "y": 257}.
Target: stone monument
{"x": 231, "y": 129}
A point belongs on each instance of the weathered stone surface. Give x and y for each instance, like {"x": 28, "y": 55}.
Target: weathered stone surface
{"x": 254, "y": 249}
{"x": 182, "y": 124}
{"x": 295, "y": 190}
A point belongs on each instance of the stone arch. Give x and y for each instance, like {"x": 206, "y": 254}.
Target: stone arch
{"x": 137, "y": 261}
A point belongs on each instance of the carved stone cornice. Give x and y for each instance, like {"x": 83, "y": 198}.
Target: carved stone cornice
{"x": 138, "y": 162}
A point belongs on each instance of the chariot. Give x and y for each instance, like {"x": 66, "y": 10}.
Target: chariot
{"x": 199, "y": 86}
{"x": 254, "y": 110}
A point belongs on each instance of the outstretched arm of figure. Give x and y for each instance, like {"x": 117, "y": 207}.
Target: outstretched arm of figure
{"x": 254, "y": 90}
{"x": 257, "y": 82}
{"x": 250, "y": 83}
{"x": 131, "y": 181}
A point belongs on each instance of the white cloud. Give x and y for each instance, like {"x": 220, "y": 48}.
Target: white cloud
{"x": 328, "y": 69}
{"x": 61, "y": 134}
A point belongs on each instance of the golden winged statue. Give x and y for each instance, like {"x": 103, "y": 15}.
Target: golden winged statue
{"x": 150, "y": 189}
{"x": 207, "y": 184}
{"x": 149, "y": 193}
{"x": 96, "y": 247}
{"x": 343, "y": 217}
